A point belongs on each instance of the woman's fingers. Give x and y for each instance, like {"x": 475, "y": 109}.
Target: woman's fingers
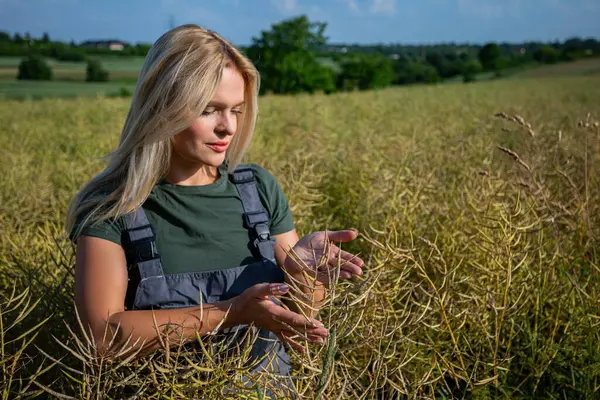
{"x": 343, "y": 257}
{"x": 346, "y": 235}
{"x": 345, "y": 260}
{"x": 329, "y": 277}
{"x": 352, "y": 269}
{"x": 348, "y": 263}
{"x": 308, "y": 337}
{"x": 295, "y": 322}
{"x": 263, "y": 290}
{"x": 349, "y": 257}
{"x": 345, "y": 274}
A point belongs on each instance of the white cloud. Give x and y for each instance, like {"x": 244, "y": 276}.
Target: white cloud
{"x": 286, "y": 6}
{"x": 353, "y": 6}
{"x": 490, "y": 9}
{"x": 383, "y": 7}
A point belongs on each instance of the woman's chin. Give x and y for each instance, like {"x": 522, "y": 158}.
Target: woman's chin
{"x": 213, "y": 161}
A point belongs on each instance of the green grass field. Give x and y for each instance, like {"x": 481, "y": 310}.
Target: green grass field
{"x": 480, "y": 235}
{"x": 69, "y": 77}
{"x": 112, "y": 64}
{"x": 39, "y": 90}
{"x": 590, "y": 67}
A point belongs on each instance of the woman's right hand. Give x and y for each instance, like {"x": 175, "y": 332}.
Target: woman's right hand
{"x": 255, "y": 306}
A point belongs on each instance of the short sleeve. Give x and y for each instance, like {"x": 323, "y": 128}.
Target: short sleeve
{"x": 109, "y": 229}
{"x": 274, "y": 200}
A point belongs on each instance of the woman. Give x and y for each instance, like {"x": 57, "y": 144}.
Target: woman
{"x": 175, "y": 233}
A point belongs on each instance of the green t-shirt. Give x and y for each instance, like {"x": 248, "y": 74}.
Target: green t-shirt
{"x": 200, "y": 228}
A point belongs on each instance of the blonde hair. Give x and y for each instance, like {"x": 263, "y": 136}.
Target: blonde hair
{"x": 178, "y": 79}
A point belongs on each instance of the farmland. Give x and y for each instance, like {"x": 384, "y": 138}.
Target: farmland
{"x": 69, "y": 78}
{"x": 477, "y": 207}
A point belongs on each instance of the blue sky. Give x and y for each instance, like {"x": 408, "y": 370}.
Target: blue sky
{"x": 349, "y": 21}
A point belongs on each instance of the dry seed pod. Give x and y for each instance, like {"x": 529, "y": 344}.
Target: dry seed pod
{"x": 520, "y": 120}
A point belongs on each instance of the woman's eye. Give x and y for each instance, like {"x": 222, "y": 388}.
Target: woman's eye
{"x": 207, "y": 112}
{"x": 238, "y": 112}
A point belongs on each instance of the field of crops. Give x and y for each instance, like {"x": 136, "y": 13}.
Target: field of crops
{"x": 69, "y": 78}
{"x": 478, "y": 208}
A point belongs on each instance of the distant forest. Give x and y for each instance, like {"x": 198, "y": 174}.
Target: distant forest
{"x": 294, "y": 56}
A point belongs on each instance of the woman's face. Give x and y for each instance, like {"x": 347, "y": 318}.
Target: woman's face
{"x": 207, "y": 139}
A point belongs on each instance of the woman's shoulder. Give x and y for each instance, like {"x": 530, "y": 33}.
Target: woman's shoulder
{"x": 261, "y": 173}
{"x": 274, "y": 199}
{"x": 91, "y": 222}
{"x": 265, "y": 180}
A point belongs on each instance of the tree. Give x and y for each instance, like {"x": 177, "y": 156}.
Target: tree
{"x": 437, "y": 61}
{"x": 142, "y": 49}
{"x": 425, "y": 73}
{"x": 361, "y": 71}
{"x": 470, "y": 69}
{"x": 300, "y": 72}
{"x": 409, "y": 72}
{"x": 72, "y": 55}
{"x": 447, "y": 65}
{"x": 45, "y": 38}
{"x": 547, "y": 55}
{"x": 34, "y": 67}
{"x": 573, "y": 49}
{"x": 95, "y": 72}
{"x": 489, "y": 55}
{"x": 286, "y": 58}
{"x": 18, "y": 39}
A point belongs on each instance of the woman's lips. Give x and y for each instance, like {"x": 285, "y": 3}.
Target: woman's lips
{"x": 219, "y": 147}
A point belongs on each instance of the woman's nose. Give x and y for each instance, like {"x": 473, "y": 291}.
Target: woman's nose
{"x": 227, "y": 124}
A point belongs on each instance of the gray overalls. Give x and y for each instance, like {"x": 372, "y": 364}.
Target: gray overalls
{"x": 150, "y": 288}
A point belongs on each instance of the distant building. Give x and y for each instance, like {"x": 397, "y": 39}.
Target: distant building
{"x": 115, "y": 45}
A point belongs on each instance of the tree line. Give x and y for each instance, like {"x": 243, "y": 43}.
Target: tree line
{"x": 290, "y": 57}
{"x": 19, "y": 45}
{"x": 294, "y": 56}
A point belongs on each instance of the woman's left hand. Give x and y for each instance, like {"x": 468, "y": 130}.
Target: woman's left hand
{"x": 316, "y": 254}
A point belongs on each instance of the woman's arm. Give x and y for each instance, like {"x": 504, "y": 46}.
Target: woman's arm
{"x": 100, "y": 287}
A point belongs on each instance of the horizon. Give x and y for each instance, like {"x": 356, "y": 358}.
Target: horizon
{"x": 381, "y": 22}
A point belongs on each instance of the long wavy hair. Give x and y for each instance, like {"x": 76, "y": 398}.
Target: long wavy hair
{"x": 178, "y": 79}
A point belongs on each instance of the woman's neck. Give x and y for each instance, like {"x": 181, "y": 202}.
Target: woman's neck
{"x": 192, "y": 175}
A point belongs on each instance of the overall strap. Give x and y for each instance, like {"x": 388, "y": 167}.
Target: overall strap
{"x": 140, "y": 245}
{"x": 256, "y": 217}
